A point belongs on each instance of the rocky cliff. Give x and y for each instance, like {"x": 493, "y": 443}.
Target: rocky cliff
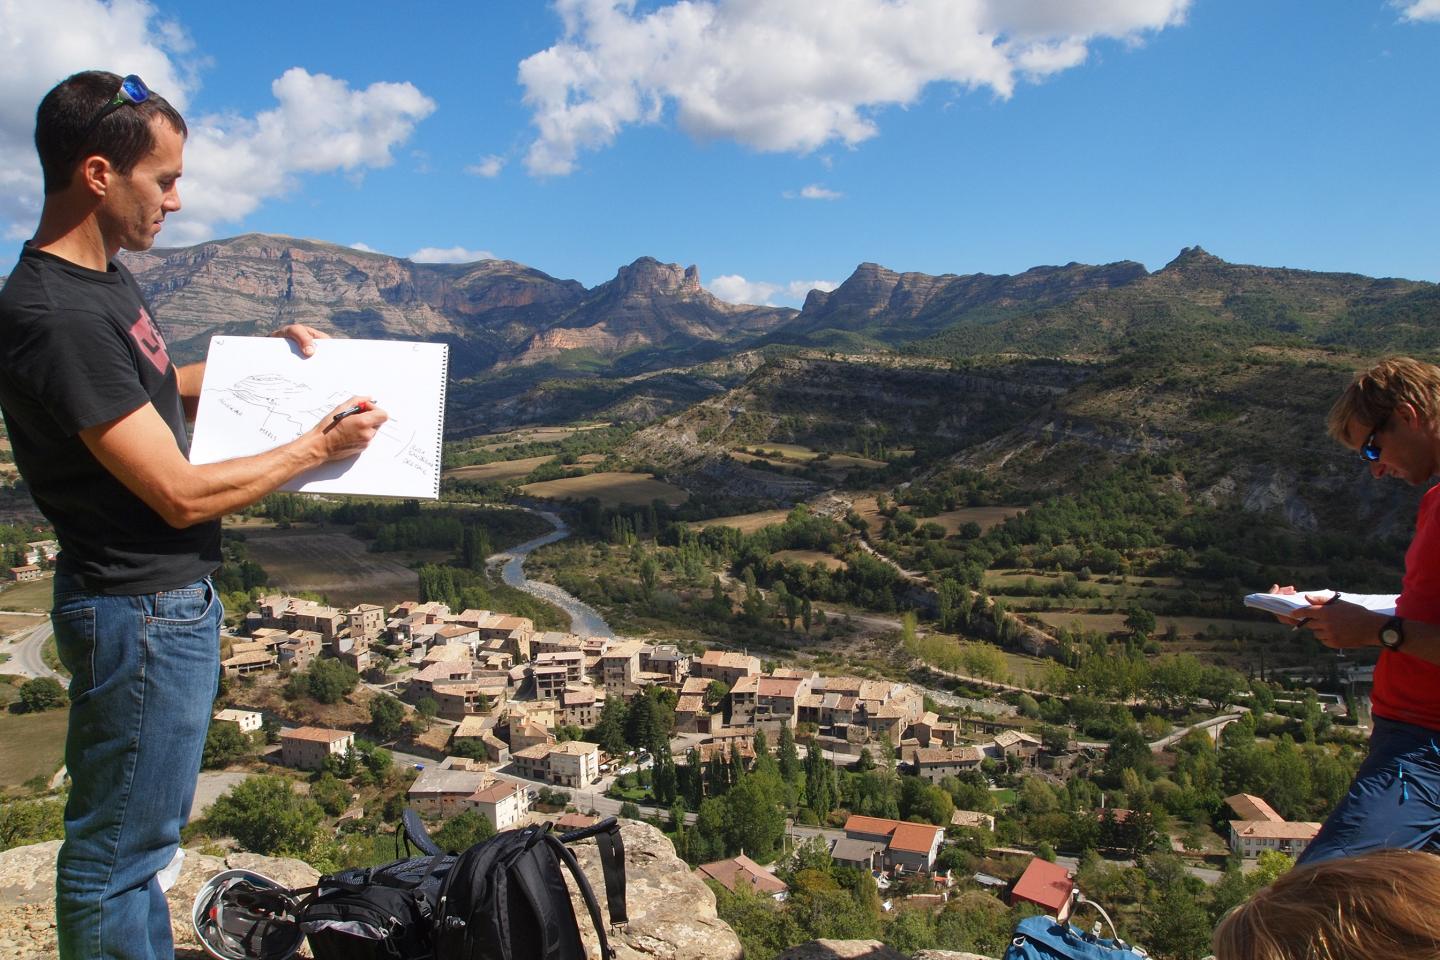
{"x": 649, "y": 304}
{"x": 493, "y": 312}
{"x": 672, "y": 914}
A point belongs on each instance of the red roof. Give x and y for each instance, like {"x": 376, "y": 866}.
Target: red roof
{"x": 903, "y": 835}
{"x": 1045, "y": 884}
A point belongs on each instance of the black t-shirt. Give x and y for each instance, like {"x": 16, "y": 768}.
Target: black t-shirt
{"x": 78, "y": 348}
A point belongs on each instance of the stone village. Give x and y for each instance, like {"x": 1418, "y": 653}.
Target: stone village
{"x": 502, "y": 690}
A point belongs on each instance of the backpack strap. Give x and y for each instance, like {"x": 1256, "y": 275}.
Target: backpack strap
{"x": 586, "y": 893}
{"x": 612, "y": 864}
{"x": 412, "y": 830}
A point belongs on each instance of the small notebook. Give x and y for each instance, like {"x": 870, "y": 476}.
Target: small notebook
{"x": 260, "y": 392}
{"x": 1285, "y": 604}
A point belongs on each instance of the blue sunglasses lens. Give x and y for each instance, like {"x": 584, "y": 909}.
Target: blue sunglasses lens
{"x": 134, "y": 89}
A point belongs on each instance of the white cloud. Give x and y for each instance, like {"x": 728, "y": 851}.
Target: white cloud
{"x": 320, "y": 125}
{"x": 779, "y": 76}
{"x": 734, "y": 288}
{"x": 449, "y": 255}
{"x": 489, "y": 166}
{"x": 363, "y": 248}
{"x": 232, "y": 163}
{"x": 1416, "y": 10}
{"x": 812, "y": 192}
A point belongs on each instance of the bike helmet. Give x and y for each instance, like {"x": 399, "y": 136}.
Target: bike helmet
{"x": 243, "y": 915}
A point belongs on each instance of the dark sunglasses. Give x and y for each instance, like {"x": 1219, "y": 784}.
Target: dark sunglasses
{"x": 132, "y": 91}
{"x": 1370, "y": 450}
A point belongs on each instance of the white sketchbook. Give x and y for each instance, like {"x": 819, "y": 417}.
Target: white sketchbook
{"x": 260, "y": 392}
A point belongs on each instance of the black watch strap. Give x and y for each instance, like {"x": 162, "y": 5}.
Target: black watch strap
{"x": 1392, "y": 634}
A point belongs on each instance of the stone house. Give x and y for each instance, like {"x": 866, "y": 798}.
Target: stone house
{"x": 306, "y": 748}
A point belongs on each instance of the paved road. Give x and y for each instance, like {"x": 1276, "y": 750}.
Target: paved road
{"x": 210, "y": 786}
{"x": 25, "y": 656}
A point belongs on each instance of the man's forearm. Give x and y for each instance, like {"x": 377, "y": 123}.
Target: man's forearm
{"x": 140, "y": 451}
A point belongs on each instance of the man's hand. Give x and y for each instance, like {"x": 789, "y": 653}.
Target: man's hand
{"x": 353, "y": 432}
{"x": 302, "y": 336}
{"x": 1340, "y": 623}
{"x": 1294, "y": 621}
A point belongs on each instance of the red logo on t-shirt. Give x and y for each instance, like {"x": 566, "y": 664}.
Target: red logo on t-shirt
{"x": 147, "y": 335}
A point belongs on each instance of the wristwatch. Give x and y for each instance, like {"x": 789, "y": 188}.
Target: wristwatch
{"x": 1392, "y": 635}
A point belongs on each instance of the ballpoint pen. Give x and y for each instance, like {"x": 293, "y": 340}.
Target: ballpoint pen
{"x": 358, "y": 408}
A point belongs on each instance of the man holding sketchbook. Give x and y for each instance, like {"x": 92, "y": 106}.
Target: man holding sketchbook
{"x": 96, "y": 416}
{"x": 1390, "y": 415}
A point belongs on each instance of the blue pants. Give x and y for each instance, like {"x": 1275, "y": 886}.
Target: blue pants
{"x": 1394, "y": 800}
{"x": 144, "y": 671}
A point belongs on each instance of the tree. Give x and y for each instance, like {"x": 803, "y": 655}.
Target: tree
{"x": 387, "y": 716}
{"x": 1139, "y": 620}
{"x": 41, "y": 694}
{"x": 609, "y": 731}
{"x": 331, "y": 793}
{"x": 224, "y": 744}
{"x": 788, "y": 757}
{"x": 329, "y": 681}
{"x": 649, "y": 574}
{"x": 462, "y": 832}
{"x": 819, "y": 784}
{"x": 266, "y": 817}
{"x": 31, "y": 821}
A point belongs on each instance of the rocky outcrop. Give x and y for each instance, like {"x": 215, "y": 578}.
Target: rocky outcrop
{"x": 876, "y": 296}
{"x": 672, "y": 914}
{"x": 648, "y": 304}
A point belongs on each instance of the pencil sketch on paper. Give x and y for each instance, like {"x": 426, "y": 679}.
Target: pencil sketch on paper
{"x": 256, "y": 397}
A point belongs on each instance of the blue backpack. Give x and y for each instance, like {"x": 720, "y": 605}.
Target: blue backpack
{"x": 1045, "y": 938}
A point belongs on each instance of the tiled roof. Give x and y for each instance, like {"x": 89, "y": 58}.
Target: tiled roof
{"x": 1250, "y": 807}
{"x": 1044, "y": 883}
{"x": 315, "y": 734}
{"x": 741, "y": 869}
{"x": 915, "y": 837}
{"x": 495, "y": 793}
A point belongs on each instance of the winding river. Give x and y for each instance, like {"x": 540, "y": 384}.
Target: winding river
{"x": 584, "y": 620}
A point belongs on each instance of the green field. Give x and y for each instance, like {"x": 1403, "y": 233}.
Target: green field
{"x": 35, "y": 595}
{"x": 326, "y": 561}
{"x": 611, "y": 489}
{"x": 808, "y": 557}
{"x": 498, "y": 471}
{"x": 31, "y": 744}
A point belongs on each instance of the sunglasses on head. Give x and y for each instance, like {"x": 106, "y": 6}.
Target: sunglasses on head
{"x": 1370, "y": 450}
{"x": 132, "y": 91}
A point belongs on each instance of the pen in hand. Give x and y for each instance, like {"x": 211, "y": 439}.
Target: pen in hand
{"x": 1334, "y": 599}
{"x": 348, "y": 411}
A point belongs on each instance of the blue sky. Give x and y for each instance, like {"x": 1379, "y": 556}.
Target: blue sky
{"x": 777, "y": 144}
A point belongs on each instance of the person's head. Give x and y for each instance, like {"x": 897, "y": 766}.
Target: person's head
{"x": 1390, "y": 414}
{"x": 1381, "y": 904}
{"x": 116, "y": 143}
{"x": 80, "y": 118}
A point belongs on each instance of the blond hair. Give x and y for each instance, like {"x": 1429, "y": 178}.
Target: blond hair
{"x": 1375, "y": 393}
{"x": 1381, "y": 904}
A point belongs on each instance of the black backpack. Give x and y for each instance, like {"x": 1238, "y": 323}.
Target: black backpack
{"x": 503, "y": 899}
{"x": 506, "y": 899}
{"x": 378, "y": 913}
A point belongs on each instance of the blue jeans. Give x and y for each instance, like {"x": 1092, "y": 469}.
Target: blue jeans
{"x": 144, "y": 674}
{"x": 1394, "y": 800}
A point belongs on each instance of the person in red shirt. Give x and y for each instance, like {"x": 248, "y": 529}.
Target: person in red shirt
{"x": 1390, "y": 415}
